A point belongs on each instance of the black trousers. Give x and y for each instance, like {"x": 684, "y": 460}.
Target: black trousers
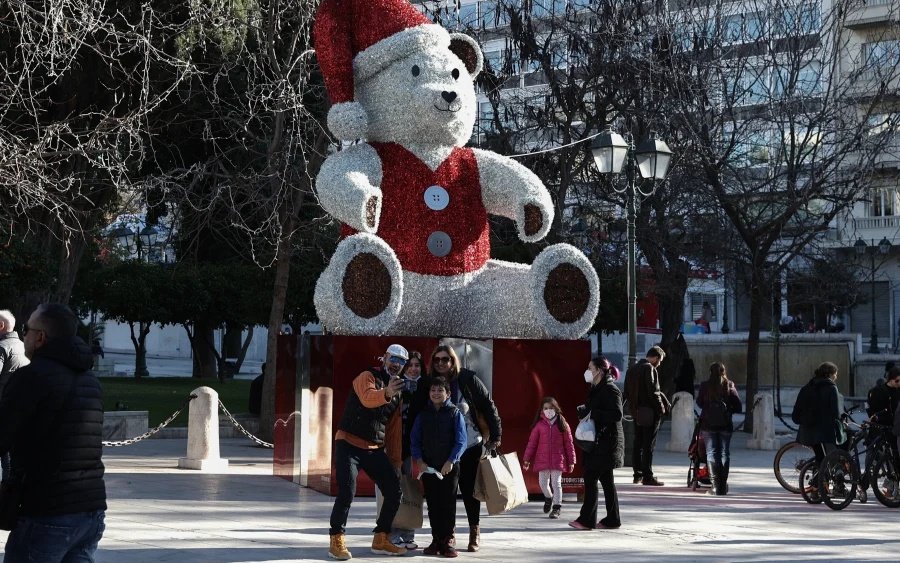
{"x": 642, "y": 450}
{"x": 588, "y": 516}
{"x": 441, "y": 497}
{"x": 468, "y": 468}
{"x": 348, "y": 460}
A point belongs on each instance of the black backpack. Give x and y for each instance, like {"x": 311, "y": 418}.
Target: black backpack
{"x": 716, "y": 414}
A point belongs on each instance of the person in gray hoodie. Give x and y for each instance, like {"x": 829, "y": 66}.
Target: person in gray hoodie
{"x": 12, "y": 357}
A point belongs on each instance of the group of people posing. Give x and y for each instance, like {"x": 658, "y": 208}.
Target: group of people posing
{"x": 399, "y": 421}
{"x": 437, "y": 427}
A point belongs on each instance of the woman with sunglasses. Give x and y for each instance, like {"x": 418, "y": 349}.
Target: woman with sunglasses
{"x": 483, "y": 428}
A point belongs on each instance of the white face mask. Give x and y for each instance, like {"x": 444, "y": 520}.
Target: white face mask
{"x": 549, "y": 413}
{"x": 588, "y": 376}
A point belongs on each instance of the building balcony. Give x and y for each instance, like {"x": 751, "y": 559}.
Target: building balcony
{"x": 873, "y": 13}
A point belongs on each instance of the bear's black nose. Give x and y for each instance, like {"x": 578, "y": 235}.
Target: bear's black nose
{"x": 448, "y": 96}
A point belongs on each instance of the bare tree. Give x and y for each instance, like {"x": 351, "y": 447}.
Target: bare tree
{"x": 778, "y": 105}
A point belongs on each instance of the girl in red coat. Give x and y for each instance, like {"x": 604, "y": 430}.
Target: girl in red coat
{"x": 551, "y": 451}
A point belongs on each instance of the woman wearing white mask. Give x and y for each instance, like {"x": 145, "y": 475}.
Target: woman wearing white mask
{"x": 604, "y": 404}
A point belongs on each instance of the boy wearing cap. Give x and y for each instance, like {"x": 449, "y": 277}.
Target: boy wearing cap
{"x": 369, "y": 438}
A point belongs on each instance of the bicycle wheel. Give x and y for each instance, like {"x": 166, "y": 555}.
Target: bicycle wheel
{"x": 886, "y": 481}
{"x": 690, "y": 475}
{"x": 808, "y": 485}
{"x": 838, "y": 476}
{"x": 788, "y": 462}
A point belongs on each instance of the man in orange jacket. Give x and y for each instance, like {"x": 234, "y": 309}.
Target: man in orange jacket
{"x": 369, "y": 438}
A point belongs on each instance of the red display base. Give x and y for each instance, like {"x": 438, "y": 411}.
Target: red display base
{"x": 313, "y": 382}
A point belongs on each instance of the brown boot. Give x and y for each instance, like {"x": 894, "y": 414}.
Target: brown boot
{"x": 338, "y": 549}
{"x": 382, "y": 545}
{"x": 474, "y": 538}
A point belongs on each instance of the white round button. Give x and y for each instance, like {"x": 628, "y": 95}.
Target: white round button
{"x": 437, "y": 198}
{"x": 439, "y": 243}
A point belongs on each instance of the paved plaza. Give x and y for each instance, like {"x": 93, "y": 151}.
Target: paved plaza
{"x": 158, "y": 513}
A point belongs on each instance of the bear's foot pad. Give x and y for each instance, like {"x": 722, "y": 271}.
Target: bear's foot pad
{"x": 566, "y": 293}
{"x": 366, "y": 285}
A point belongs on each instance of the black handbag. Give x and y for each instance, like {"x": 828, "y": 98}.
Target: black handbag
{"x": 11, "y": 493}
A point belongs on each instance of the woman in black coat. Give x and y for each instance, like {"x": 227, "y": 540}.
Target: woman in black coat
{"x": 604, "y": 403}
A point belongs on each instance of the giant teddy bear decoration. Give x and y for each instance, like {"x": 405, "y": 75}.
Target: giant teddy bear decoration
{"x": 415, "y": 201}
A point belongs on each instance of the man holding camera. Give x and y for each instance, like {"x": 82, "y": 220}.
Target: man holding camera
{"x": 369, "y": 438}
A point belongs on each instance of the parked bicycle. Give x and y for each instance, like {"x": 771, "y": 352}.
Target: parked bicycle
{"x": 789, "y": 461}
{"x": 847, "y": 473}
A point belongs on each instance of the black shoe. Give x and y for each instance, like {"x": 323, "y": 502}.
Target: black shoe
{"x": 652, "y": 482}
{"x": 433, "y": 549}
{"x": 555, "y": 512}
{"x": 547, "y": 503}
{"x": 637, "y": 479}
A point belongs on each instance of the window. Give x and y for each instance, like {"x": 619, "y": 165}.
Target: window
{"x": 881, "y": 53}
{"x": 884, "y": 202}
{"x": 492, "y": 14}
{"x": 486, "y": 116}
{"x": 799, "y": 19}
{"x": 806, "y": 81}
{"x": 697, "y": 301}
{"x": 467, "y": 15}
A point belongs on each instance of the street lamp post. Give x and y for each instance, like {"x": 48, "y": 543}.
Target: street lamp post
{"x": 651, "y": 157}
{"x": 882, "y": 248}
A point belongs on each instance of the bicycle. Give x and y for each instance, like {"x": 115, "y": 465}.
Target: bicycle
{"x": 789, "y": 461}
{"x": 842, "y": 476}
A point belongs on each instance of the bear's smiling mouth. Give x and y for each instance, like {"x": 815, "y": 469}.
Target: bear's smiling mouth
{"x": 452, "y": 107}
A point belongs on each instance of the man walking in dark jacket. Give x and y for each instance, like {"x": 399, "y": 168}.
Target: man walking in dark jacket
{"x": 51, "y": 419}
{"x": 647, "y": 405}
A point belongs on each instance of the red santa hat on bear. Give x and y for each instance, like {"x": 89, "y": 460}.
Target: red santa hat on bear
{"x": 356, "y": 39}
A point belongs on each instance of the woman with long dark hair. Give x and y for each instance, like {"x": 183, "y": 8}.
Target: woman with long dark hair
{"x": 604, "y": 403}
{"x": 719, "y": 400}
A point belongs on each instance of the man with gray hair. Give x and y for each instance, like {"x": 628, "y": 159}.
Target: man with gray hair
{"x": 51, "y": 419}
{"x": 12, "y": 357}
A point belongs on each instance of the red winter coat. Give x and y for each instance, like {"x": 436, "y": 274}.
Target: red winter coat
{"x": 549, "y": 447}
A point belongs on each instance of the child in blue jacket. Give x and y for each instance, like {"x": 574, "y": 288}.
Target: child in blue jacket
{"x": 437, "y": 441}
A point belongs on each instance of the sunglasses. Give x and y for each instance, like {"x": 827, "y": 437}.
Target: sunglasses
{"x": 397, "y": 360}
{"x": 26, "y": 329}
{"x": 442, "y": 359}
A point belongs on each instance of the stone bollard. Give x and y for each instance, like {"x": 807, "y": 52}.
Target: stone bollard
{"x": 203, "y": 433}
{"x": 763, "y": 424}
{"x": 682, "y": 422}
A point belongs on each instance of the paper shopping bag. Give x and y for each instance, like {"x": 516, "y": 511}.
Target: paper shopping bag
{"x": 409, "y": 516}
{"x": 500, "y": 483}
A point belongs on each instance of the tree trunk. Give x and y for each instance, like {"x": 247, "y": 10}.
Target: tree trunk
{"x": 139, "y": 342}
{"x": 276, "y": 315}
{"x": 69, "y": 261}
{"x": 204, "y": 356}
{"x": 756, "y": 304}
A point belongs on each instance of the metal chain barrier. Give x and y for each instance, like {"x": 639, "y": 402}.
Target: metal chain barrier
{"x": 242, "y": 429}
{"x": 152, "y": 431}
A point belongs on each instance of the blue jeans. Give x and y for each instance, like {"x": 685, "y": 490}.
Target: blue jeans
{"x": 67, "y": 538}
{"x": 718, "y": 447}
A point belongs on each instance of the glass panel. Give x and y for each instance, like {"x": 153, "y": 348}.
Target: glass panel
{"x": 468, "y": 15}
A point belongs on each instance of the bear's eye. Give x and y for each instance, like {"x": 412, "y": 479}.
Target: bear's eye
{"x": 416, "y": 70}
{"x": 455, "y": 74}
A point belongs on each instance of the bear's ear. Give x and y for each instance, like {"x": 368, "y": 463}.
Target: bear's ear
{"x": 468, "y": 51}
